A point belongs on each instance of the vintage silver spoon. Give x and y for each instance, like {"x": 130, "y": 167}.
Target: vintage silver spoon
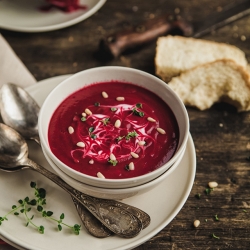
{"x": 16, "y": 106}
{"x": 19, "y": 111}
{"x": 14, "y": 156}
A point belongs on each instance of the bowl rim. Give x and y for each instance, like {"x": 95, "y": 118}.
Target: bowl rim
{"x": 106, "y": 180}
{"x": 148, "y": 184}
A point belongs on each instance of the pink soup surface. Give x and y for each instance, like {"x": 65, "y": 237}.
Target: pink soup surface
{"x": 89, "y": 142}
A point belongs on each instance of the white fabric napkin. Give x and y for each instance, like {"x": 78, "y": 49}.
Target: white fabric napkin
{"x": 11, "y": 68}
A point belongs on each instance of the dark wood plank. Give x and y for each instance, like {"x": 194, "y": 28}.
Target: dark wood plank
{"x": 220, "y": 134}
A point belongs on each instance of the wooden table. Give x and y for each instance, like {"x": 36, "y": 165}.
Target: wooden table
{"x": 220, "y": 134}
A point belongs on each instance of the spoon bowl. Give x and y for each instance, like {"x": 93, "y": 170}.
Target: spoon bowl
{"x": 19, "y": 110}
{"x": 13, "y": 149}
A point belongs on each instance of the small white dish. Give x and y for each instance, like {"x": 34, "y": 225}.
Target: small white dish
{"x": 102, "y": 74}
{"x": 25, "y": 16}
{"x": 15, "y": 186}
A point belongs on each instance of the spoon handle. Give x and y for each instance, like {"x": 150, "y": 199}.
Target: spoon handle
{"x": 116, "y": 218}
{"x": 91, "y": 223}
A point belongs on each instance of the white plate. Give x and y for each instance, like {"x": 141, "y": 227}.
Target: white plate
{"x": 25, "y": 16}
{"x": 162, "y": 203}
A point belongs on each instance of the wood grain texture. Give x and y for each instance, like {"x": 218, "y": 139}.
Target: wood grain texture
{"x": 220, "y": 134}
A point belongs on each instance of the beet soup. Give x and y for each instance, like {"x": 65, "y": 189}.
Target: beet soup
{"x": 113, "y": 130}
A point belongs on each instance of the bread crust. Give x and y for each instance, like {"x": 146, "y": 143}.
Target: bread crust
{"x": 176, "y": 54}
{"x": 221, "y": 80}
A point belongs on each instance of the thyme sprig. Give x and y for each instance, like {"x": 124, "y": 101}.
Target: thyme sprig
{"x": 131, "y": 135}
{"x": 113, "y": 162}
{"x": 25, "y": 205}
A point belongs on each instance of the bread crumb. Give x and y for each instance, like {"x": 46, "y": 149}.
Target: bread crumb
{"x": 243, "y": 38}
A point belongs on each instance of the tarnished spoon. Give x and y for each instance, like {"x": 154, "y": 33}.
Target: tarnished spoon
{"x": 20, "y": 111}
{"x": 14, "y": 156}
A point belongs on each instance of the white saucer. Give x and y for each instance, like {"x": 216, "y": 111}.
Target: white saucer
{"x": 25, "y": 16}
{"x": 162, "y": 203}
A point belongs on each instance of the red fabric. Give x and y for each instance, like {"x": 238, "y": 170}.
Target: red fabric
{"x": 66, "y": 5}
{"x": 2, "y": 242}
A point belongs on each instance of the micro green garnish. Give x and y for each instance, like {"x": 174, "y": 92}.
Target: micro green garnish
{"x": 105, "y": 121}
{"x": 244, "y": 210}
{"x": 208, "y": 190}
{"x": 216, "y": 237}
{"x": 113, "y": 162}
{"x": 40, "y": 200}
{"x": 127, "y": 167}
{"x": 119, "y": 138}
{"x": 93, "y": 136}
{"x": 97, "y": 104}
{"x": 138, "y": 105}
{"x": 198, "y": 196}
{"x": 83, "y": 119}
{"x": 216, "y": 217}
{"x": 91, "y": 129}
{"x": 131, "y": 135}
{"x": 113, "y": 109}
{"x": 137, "y": 112}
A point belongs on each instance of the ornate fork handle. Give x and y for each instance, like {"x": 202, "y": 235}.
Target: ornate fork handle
{"x": 115, "y": 217}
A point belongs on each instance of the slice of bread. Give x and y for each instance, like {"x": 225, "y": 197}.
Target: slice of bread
{"x": 221, "y": 80}
{"x": 176, "y": 54}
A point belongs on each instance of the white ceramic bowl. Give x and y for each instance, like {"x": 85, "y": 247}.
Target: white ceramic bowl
{"x": 112, "y": 193}
{"x": 106, "y": 74}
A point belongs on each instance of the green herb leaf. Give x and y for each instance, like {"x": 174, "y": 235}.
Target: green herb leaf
{"x": 93, "y": 136}
{"x": 113, "y": 109}
{"x": 33, "y": 202}
{"x": 41, "y": 229}
{"x": 105, "y": 121}
{"x": 138, "y": 105}
{"x": 83, "y": 119}
{"x": 59, "y": 227}
{"x": 113, "y": 162}
{"x": 33, "y": 184}
{"x": 62, "y": 216}
{"x": 131, "y": 135}
{"x": 91, "y": 129}
{"x": 137, "y": 112}
{"x": 216, "y": 217}
{"x": 198, "y": 196}
{"x": 42, "y": 193}
{"x": 216, "y": 237}
{"x": 119, "y": 138}
{"x": 208, "y": 190}
{"x": 39, "y": 208}
{"x": 127, "y": 168}
{"x": 49, "y": 213}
